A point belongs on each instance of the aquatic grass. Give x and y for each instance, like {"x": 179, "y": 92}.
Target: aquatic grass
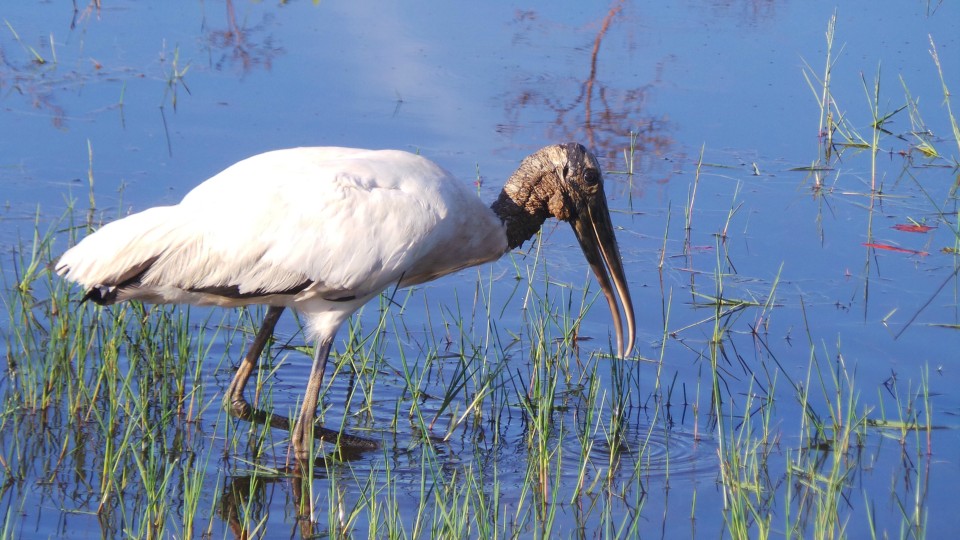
{"x": 551, "y": 325}
{"x": 748, "y": 489}
{"x": 35, "y": 55}
{"x": 819, "y": 474}
{"x": 923, "y": 137}
{"x": 27, "y": 310}
{"x": 836, "y": 131}
{"x": 240, "y": 437}
{"x": 448, "y": 514}
{"x": 361, "y": 360}
{"x": 817, "y": 479}
{"x": 880, "y": 128}
{"x": 472, "y": 379}
{"x": 660, "y": 402}
{"x": 194, "y": 398}
{"x": 815, "y": 487}
{"x": 464, "y": 385}
{"x": 91, "y": 192}
{"x": 821, "y": 91}
{"x": 630, "y": 170}
{"x": 381, "y": 504}
{"x": 242, "y": 502}
{"x": 118, "y": 436}
{"x": 589, "y": 419}
{"x": 64, "y": 369}
{"x": 879, "y": 121}
{"x": 744, "y": 448}
{"x": 413, "y": 380}
{"x": 713, "y": 356}
{"x": 691, "y": 198}
{"x": 913, "y": 509}
{"x": 511, "y": 430}
{"x": 175, "y": 79}
{"x": 829, "y": 489}
{"x": 923, "y": 144}
{"x": 155, "y": 474}
{"x": 955, "y": 126}
{"x": 193, "y": 475}
{"x": 912, "y": 413}
{"x": 538, "y": 406}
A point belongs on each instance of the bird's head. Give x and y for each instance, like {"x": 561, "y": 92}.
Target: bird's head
{"x": 565, "y": 181}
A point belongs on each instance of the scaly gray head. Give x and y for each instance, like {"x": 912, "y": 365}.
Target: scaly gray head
{"x": 564, "y": 181}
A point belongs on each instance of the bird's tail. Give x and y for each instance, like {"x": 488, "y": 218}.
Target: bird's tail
{"x": 115, "y": 258}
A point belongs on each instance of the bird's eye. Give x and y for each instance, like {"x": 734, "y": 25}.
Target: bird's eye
{"x": 591, "y": 177}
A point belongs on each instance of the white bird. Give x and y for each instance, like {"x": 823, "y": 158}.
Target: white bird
{"x": 324, "y": 230}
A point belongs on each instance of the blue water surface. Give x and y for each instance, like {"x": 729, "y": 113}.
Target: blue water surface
{"x": 147, "y": 99}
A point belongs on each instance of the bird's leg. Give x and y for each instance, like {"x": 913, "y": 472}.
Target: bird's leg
{"x": 235, "y": 402}
{"x": 303, "y": 432}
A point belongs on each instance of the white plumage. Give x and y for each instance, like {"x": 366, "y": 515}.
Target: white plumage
{"x": 324, "y": 230}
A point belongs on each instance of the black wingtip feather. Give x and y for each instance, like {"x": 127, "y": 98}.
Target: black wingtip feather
{"x": 102, "y": 296}
{"x": 233, "y": 291}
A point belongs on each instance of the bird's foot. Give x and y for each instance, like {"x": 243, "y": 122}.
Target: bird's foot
{"x": 238, "y": 407}
{"x": 347, "y": 446}
{"x": 344, "y": 440}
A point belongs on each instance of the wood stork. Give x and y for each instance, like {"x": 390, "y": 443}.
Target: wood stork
{"x": 324, "y": 230}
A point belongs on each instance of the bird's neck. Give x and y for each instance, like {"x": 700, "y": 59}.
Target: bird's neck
{"x": 522, "y": 207}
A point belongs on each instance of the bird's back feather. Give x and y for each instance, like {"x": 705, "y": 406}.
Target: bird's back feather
{"x": 300, "y": 223}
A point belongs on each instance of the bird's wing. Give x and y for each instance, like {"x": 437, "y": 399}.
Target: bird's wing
{"x": 335, "y": 222}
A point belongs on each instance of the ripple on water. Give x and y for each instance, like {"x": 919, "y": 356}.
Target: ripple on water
{"x": 673, "y": 453}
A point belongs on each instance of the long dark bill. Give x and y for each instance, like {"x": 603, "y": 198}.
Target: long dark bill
{"x": 595, "y": 234}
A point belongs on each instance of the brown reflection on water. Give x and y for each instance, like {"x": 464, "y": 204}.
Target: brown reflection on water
{"x": 749, "y": 12}
{"x": 242, "y": 46}
{"x": 246, "y": 501}
{"x": 31, "y": 76}
{"x": 599, "y": 113}
{"x": 79, "y": 15}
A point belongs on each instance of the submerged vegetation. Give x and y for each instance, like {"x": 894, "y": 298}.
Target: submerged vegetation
{"x": 500, "y": 409}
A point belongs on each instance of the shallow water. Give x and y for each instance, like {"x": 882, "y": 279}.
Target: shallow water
{"x": 154, "y": 98}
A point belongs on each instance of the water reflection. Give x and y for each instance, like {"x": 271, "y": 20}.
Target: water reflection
{"x": 76, "y": 460}
{"x": 34, "y": 79}
{"x": 243, "y": 46}
{"x": 246, "y": 500}
{"x": 79, "y": 15}
{"x": 596, "y": 109}
{"x": 749, "y": 12}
